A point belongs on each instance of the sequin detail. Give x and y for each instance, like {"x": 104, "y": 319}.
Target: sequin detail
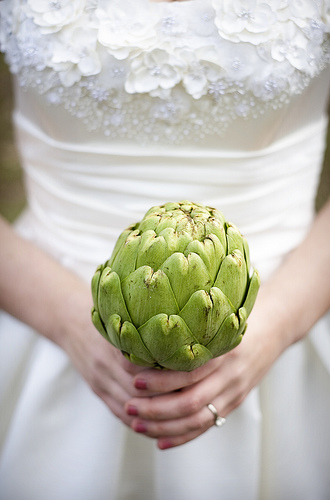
{"x": 165, "y": 71}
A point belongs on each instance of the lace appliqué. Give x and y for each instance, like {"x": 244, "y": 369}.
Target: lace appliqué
{"x": 165, "y": 71}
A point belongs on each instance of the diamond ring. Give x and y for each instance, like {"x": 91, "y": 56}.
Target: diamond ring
{"x": 218, "y": 421}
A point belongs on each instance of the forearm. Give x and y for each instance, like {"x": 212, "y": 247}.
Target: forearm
{"x": 298, "y": 294}
{"x": 36, "y": 289}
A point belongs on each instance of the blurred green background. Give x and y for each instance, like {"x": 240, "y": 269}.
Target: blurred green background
{"x": 12, "y": 196}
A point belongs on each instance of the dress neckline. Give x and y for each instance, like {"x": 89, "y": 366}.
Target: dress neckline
{"x": 171, "y": 61}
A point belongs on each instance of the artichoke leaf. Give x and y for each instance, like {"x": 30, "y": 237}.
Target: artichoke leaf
{"x": 110, "y": 298}
{"x": 199, "y": 230}
{"x": 166, "y": 222}
{"x": 146, "y": 294}
{"x": 242, "y": 316}
{"x": 152, "y": 251}
{"x": 138, "y": 361}
{"x": 236, "y": 342}
{"x": 120, "y": 243}
{"x": 199, "y": 211}
{"x": 156, "y": 210}
{"x": 170, "y": 205}
{"x": 185, "y": 224}
{"x": 131, "y": 342}
{"x": 97, "y": 322}
{"x": 186, "y": 275}
{"x": 149, "y": 223}
{"x": 163, "y": 335}
{"x": 210, "y": 251}
{"x": 216, "y": 227}
{"x": 188, "y": 358}
{"x": 187, "y": 206}
{"x": 113, "y": 326}
{"x": 216, "y": 214}
{"x": 125, "y": 260}
{"x": 205, "y": 312}
{"x": 225, "y": 337}
{"x": 252, "y": 292}
{"x": 246, "y": 254}
{"x": 176, "y": 242}
{"x": 232, "y": 278}
{"x": 95, "y": 283}
{"x": 234, "y": 239}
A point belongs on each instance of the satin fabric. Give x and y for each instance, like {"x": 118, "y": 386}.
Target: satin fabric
{"x": 58, "y": 440}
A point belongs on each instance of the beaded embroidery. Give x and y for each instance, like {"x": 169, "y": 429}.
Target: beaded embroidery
{"x": 153, "y": 74}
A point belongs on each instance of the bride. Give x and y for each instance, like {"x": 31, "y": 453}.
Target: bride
{"x": 121, "y": 105}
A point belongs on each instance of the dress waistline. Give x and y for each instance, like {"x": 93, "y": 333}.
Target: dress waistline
{"x": 85, "y": 196}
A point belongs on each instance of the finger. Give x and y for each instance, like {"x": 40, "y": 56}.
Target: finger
{"x": 126, "y": 375}
{"x": 115, "y": 400}
{"x": 113, "y": 391}
{"x": 197, "y": 423}
{"x": 163, "y": 381}
{"x": 116, "y": 408}
{"x": 181, "y": 403}
{"x": 107, "y": 367}
{"x": 165, "y": 443}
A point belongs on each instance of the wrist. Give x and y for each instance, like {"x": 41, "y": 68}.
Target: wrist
{"x": 73, "y": 314}
{"x": 270, "y": 323}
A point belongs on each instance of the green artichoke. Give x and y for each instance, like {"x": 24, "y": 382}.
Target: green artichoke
{"x": 177, "y": 289}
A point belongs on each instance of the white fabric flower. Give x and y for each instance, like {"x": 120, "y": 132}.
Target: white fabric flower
{"x": 298, "y": 11}
{"x": 155, "y": 72}
{"x": 291, "y": 46}
{"x": 173, "y": 22}
{"x": 103, "y": 59}
{"x": 236, "y": 62}
{"x": 194, "y": 77}
{"x": 268, "y": 88}
{"x": 125, "y": 34}
{"x": 202, "y": 22}
{"x": 75, "y": 53}
{"x": 244, "y": 20}
{"x": 52, "y": 15}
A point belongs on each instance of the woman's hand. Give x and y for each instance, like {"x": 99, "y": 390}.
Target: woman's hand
{"x": 106, "y": 370}
{"x": 179, "y": 412}
{"x": 169, "y": 406}
{"x": 55, "y": 302}
{"x": 288, "y": 305}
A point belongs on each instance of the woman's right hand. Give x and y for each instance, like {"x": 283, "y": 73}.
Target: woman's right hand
{"x": 54, "y": 301}
{"x": 110, "y": 375}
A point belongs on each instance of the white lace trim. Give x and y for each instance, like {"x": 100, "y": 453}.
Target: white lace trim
{"x": 220, "y": 59}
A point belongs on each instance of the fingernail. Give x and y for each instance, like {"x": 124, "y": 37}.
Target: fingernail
{"x": 132, "y": 410}
{"x": 140, "y": 384}
{"x": 165, "y": 445}
{"x": 140, "y": 427}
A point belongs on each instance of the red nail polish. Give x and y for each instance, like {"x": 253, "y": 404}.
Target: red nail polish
{"x": 140, "y": 427}
{"x": 140, "y": 384}
{"x": 132, "y": 410}
{"x": 165, "y": 445}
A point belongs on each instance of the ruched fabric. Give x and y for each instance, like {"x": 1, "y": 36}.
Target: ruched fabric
{"x": 83, "y": 197}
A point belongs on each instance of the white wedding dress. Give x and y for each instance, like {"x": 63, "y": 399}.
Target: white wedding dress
{"x": 121, "y": 105}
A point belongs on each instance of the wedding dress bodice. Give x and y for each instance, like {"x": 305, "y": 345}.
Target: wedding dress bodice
{"x": 124, "y": 104}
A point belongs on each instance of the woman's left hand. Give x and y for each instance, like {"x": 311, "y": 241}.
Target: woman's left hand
{"x": 179, "y": 412}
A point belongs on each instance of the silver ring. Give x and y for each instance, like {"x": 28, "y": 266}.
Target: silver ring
{"x": 218, "y": 421}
